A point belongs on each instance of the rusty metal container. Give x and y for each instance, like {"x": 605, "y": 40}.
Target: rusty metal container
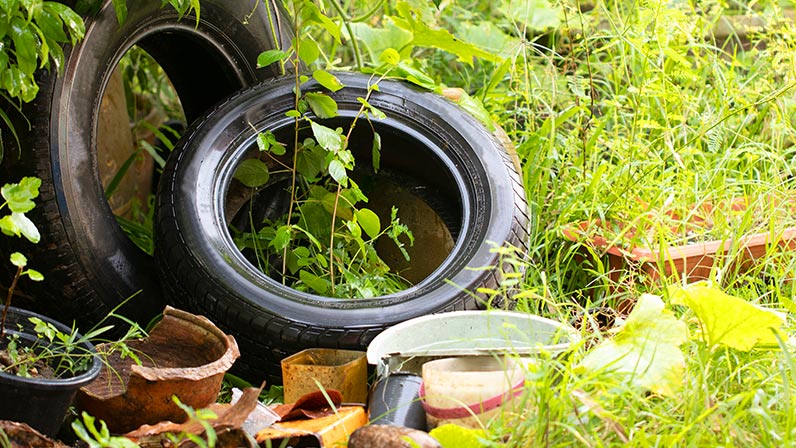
{"x": 343, "y": 370}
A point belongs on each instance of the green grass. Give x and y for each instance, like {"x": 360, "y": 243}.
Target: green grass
{"x": 622, "y": 110}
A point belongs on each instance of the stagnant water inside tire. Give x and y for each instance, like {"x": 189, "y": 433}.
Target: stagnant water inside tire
{"x": 410, "y": 177}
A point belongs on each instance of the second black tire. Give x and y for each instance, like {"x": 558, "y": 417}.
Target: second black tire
{"x": 428, "y": 140}
{"x": 89, "y": 264}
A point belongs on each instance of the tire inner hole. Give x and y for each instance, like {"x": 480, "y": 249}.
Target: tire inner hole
{"x": 410, "y": 177}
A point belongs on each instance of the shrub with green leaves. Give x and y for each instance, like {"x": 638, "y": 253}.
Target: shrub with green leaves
{"x": 325, "y": 242}
{"x": 31, "y": 33}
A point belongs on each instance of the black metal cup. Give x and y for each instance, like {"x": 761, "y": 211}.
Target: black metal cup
{"x": 394, "y": 401}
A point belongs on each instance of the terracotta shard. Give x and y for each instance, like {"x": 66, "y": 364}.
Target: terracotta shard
{"x": 185, "y": 355}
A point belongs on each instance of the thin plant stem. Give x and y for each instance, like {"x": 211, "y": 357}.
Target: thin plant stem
{"x": 8, "y": 301}
{"x": 347, "y": 23}
{"x": 296, "y": 120}
{"x": 339, "y": 186}
{"x": 369, "y": 14}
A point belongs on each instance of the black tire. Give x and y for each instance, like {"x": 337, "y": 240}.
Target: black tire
{"x": 425, "y": 136}
{"x": 90, "y": 266}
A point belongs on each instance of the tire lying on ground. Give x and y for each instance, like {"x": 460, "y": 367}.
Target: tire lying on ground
{"x": 90, "y": 266}
{"x": 429, "y": 146}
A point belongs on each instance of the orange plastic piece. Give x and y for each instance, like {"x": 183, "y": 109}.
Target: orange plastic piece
{"x": 324, "y": 432}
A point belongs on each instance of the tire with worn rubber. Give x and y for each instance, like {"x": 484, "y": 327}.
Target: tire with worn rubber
{"x": 427, "y": 141}
{"x": 90, "y": 266}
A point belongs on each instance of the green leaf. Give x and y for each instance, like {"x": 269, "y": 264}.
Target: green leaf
{"x": 303, "y": 256}
{"x": 372, "y": 110}
{"x": 354, "y": 228}
{"x": 293, "y": 113}
{"x": 8, "y": 227}
{"x": 425, "y": 36}
{"x": 489, "y": 37}
{"x": 25, "y": 44}
{"x": 537, "y": 15}
{"x": 319, "y": 285}
{"x": 43, "y": 329}
{"x": 26, "y": 227}
{"x": 377, "y": 40}
{"x": 57, "y": 55}
{"x": 390, "y": 56}
{"x": 316, "y": 220}
{"x": 338, "y": 172}
{"x": 120, "y": 6}
{"x": 311, "y": 14}
{"x": 344, "y": 209}
{"x": 328, "y": 138}
{"x": 455, "y": 436}
{"x": 728, "y": 320}
{"x": 309, "y": 162}
{"x": 34, "y": 275}
{"x": 476, "y": 108}
{"x": 252, "y": 173}
{"x": 74, "y": 23}
{"x": 308, "y": 51}
{"x": 20, "y": 195}
{"x": 282, "y": 237}
{"x": 50, "y": 24}
{"x": 415, "y": 76}
{"x": 645, "y": 351}
{"x": 263, "y": 144}
{"x": 18, "y": 260}
{"x": 266, "y": 141}
{"x": 322, "y": 105}
{"x": 376, "y": 151}
{"x": 7, "y": 5}
{"x": 267, "y": 58}
{"x": 369, "y": 221}
{"x": 327, "y": 80}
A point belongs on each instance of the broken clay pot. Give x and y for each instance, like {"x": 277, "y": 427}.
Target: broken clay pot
{"x": 20, "y": 435}
{"x": 185, "y": 355}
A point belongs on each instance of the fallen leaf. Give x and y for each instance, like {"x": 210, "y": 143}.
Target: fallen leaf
{"x": 454, "y": 436}
{"x": 645, "y": 351}
{"x": 728, "y": 320}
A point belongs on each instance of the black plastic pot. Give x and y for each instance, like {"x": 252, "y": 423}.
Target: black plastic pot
{"x": 40, "y": 402}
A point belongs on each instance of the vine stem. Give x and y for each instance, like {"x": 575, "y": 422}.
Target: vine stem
{"x": 370, "y": 13}
{"x": 297, "y": 88}
{"x": 347, "y": 23}
{"x": 8, "y": 301}
{"x": 339, "y": 186}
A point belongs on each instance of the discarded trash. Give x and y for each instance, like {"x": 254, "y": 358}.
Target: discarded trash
{"x": 383, "y": 436}
{"x": 394, "y": 400}
{"x": 315, "y": 404}
{"x": 469, "y": 391}
{"x": 406, "y": 346}
{"x": 184, "y": 355}
{"x": 259, "y": 418}
{"x": 21, "y": 435}
{"x": 329, "y": 431}
{"x": 343, "y": 370}
{"x": 227, "y": 426}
